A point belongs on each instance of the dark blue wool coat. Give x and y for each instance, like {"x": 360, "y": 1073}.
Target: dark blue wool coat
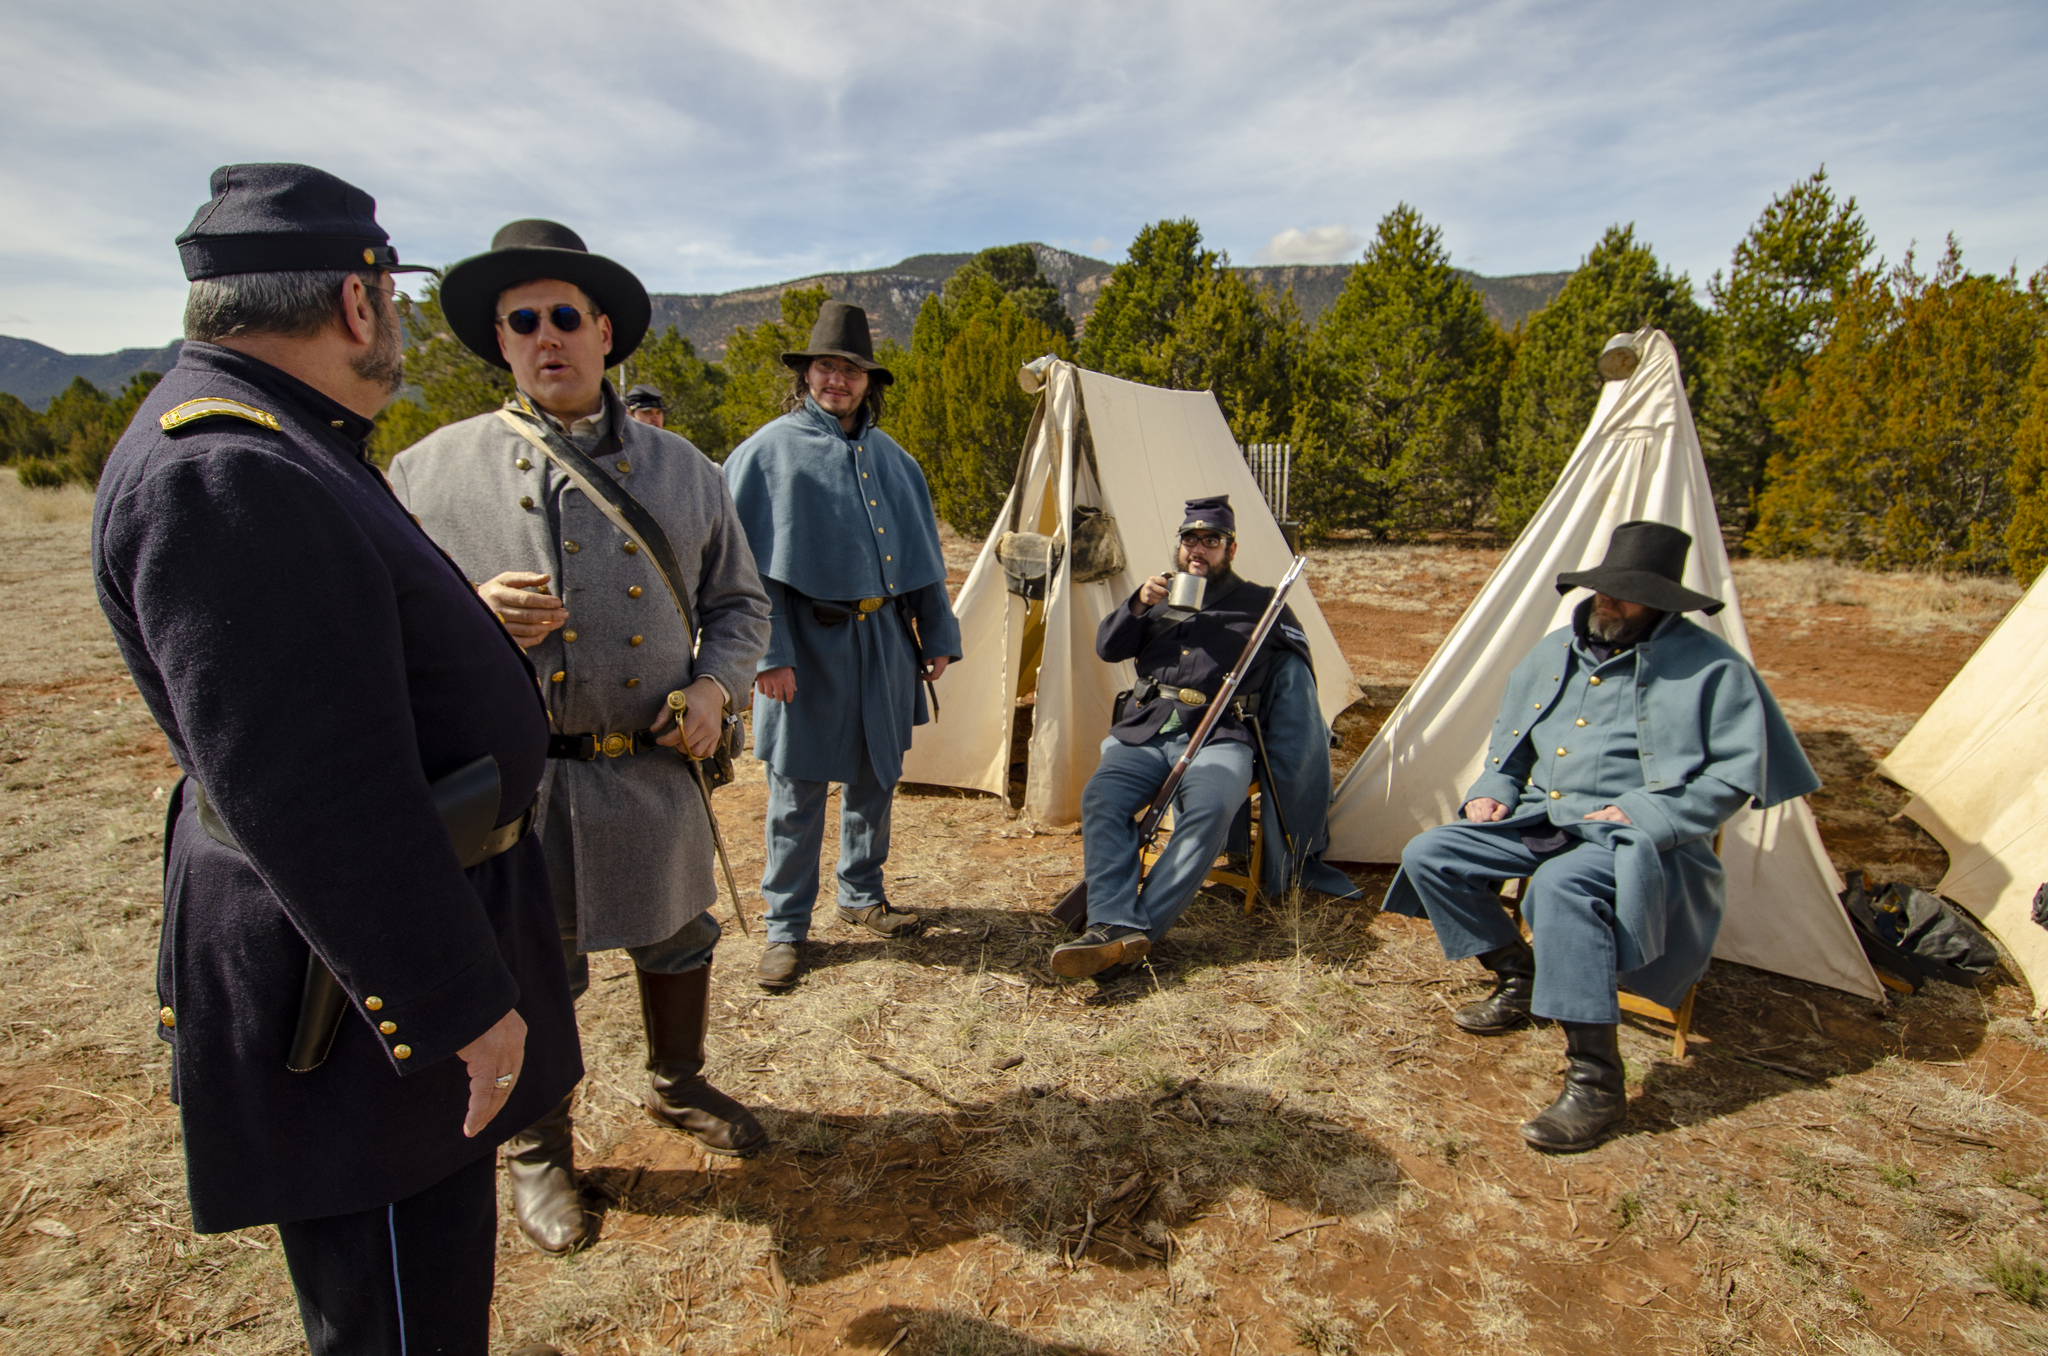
{"x": 315, "y": 662}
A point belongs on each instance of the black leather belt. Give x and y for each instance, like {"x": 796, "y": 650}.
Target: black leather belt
{"x": 586, "y": 747}
{"x": 500, "y": 839}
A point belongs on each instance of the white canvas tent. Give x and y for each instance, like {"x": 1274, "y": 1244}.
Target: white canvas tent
{"x": 1977, "y": 765}
{"x": 1138, "y": 453}
{"x": 1639, "y": 458}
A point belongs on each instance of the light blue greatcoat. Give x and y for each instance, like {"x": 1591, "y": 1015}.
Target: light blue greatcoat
{"x": 838, "y": 517}
{"x": 1680, "y": 733}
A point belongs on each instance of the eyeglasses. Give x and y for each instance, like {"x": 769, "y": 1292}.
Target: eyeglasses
{"x": 1208, "y": 541}
{"x": 834, "y": 367}
{"x": 399, "y": 300}
{"x": 526, "y": 320}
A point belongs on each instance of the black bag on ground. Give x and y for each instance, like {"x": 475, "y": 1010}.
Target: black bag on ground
{"x": 1918, "y": 933}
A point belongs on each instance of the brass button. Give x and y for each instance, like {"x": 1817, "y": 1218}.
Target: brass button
{"x": 557, "y": 676}
{"x": 1496, "y": 760}
{"x": 889, "y": 558}
{"x": 1537, "y": 705}
{"x": 571, "y": 547}
{"x": 1594, "y": 680}
{"x": 1557, "y": 795}
{"x": 872, "y": 503}
{"x": 636, "y": 640}
{"x": 863, "y": 475}
{"x": 388, "y": 1028}
{"x": 1514, "y": 732}
{"x": 402, "y": 1051}
{"x": 374, "y": 1004}
{"x": 625, "y": 467}
{"x": 633, "y": 592}
{"x": 523, "y": 464}
{"x": 167, "y": 1017}
{"x": 569, "y": 636}
{"x": 526, "y": 501}
{"x": 1560, "y": 753}
{"x": 632, "y": 682}
{"x": 1580, "y": 721}
{"x": 632, "y": 548}
{"x": 881, "y": 529}
{"x": 415, "y": 518}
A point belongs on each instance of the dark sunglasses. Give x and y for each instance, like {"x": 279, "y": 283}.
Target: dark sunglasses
{"x": 1207, "y": 540}
{"x": 526, "y": 320}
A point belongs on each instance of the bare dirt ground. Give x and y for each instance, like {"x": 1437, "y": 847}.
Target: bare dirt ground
{"x": 1275, "y": 1143}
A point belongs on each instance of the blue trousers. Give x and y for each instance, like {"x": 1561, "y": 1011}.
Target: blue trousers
{"x": 690, "y": 948}
{"x": 1569, "y": 908}
{"x": 405, "y": 1279}
{"x": 1124, "y": 784}
{"x": 796, "y": 834}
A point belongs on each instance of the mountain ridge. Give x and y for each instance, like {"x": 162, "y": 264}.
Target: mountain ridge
{"x": 35, "y": 372}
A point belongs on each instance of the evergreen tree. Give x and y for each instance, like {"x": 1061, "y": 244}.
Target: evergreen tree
{"x": 2026, "y": 541}
{"x": 1901, "y": 453}
{"x": 1014, "y": 270}
{"x": 21, "y": 431}
{"x": 1399, "y": 417}
{"x": 957, "y": 407}
{"x": 1176, "y": 315}
{"x": 756, "y": 379}
{"x": 1553, "y": 385}
{"x": 691, "y": 389}
{"x": 1774, "y": 308}
{"x": 452, "y": 382}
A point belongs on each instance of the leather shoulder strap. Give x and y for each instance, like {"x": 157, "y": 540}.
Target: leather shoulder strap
{"x": 622, "y": 510}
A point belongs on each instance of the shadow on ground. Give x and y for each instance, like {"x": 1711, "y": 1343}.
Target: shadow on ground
{"x": 945, "y": 1330}
{"x": 1049, "y": 1171}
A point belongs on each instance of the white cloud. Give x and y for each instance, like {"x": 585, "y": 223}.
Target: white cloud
{"x": 1316, "y": 245}
{"x": 738, "y": 142}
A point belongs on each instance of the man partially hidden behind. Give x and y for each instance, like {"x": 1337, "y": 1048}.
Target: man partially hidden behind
{"x": 644, "y": 403}
{"x": 1624, "y": 743}
{"x": 842, "y": 528}
{"x": 623, "y": 821}
{"x": 1182, "y": 659}
{"x": 316, "y": 665}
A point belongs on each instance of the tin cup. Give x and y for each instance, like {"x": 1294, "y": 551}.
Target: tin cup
{"x": 1186, "y": 591}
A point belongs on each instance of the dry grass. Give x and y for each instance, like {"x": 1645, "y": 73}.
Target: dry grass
{"x": 23, "y": 509}
{"x": 1906, "y": 603}
{"x": 1272, "y": 1142}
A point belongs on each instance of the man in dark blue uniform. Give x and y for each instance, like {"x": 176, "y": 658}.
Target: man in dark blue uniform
{"x": 1182, "y": 659}
{"x": 320, "y": 670}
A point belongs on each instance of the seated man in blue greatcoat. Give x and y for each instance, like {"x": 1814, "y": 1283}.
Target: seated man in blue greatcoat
{"x": 1624, "y": 743}
{"x": 1182, "y": 658}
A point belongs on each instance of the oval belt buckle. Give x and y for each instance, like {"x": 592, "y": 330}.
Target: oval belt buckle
{"x": 1194, "y": 696}
{"x": 869, "y": 604}
{"x": 615, "y": 745}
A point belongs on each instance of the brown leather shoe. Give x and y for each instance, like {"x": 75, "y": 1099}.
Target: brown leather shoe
{"x": 675, "y": 1010}
{"x": 882, "y": 919}
{"x": 541, "y": 1161}
{"x": 780, "y": 962}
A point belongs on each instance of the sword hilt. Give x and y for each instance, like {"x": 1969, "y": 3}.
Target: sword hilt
{"x": 679, "y": 702}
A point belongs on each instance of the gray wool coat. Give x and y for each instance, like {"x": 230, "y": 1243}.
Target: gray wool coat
{"x": 644, "y": 856}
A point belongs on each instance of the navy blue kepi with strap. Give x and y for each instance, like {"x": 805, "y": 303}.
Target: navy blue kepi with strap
{"x": 285, "y": 219}
{"x": 1210, "y": 514}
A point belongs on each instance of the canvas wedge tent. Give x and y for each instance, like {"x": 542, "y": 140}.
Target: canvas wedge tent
{"x": 1138, "y": 453}
{"x": 1977, "y": 765}
{"x": 1639, "y": 458}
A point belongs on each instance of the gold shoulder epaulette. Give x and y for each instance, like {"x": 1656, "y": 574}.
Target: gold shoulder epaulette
{"x": 207, "y": 406}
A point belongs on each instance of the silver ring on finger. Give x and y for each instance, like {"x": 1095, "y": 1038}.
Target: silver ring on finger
{"x": 503, "y": 1081}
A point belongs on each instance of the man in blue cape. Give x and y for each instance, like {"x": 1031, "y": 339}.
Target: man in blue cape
{"x": 1624, "y": 743}
{"x": 841, "y": 524}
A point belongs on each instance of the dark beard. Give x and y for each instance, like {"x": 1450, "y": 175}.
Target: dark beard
{"x": 384, "y": 364}
{"x": 1616, "y": 630}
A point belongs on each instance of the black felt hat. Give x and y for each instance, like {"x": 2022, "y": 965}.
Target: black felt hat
{"x": 528, "y": 251}
{"x": 1645, "y": 564}
{"x": 644, "y": 397}
{"x": 841, "y": 332}
{"x": 285, "y": 218}
{"x": 1210, "y": 514}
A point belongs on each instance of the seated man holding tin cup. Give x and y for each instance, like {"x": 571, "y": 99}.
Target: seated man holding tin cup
{"x": 1182, "y": 651}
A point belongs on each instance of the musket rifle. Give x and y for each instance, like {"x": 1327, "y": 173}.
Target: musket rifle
{"x": 1072, "y": 908}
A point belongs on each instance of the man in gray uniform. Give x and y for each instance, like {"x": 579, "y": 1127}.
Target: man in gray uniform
{"x": 623, "y": 821}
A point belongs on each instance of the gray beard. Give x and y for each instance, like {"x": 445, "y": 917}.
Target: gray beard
{"x": 385, "y": 362}
{"x": 1615, "y": 630}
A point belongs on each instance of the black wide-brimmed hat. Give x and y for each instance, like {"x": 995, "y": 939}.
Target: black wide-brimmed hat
{"x": 1645, "y": 564}
{"x": 528, "y": 251}
{"x": 841, "y": 332}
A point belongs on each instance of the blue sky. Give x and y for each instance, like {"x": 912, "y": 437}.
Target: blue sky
{"x": 714, "y": 146}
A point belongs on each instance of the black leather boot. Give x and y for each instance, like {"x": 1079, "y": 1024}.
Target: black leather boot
{"x": 1595, "y": 1096}
{"x": 1507, "y": 1007}
{"x": 541, "y": 1161}
{"x": 675, "y": 1010}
